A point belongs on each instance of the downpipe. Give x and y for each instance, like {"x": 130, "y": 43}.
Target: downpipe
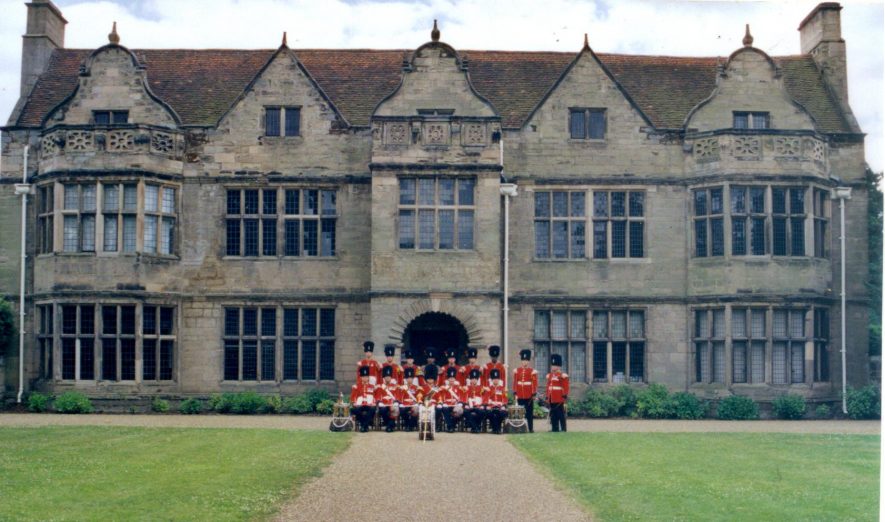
{"x": 22, "y": 189}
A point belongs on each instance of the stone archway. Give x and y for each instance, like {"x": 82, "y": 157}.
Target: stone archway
{"x": 437, "y": 330}
{"x": 441, "y": 305}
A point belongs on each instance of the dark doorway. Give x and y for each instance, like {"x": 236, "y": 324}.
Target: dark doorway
{"x": 439, "y": 331}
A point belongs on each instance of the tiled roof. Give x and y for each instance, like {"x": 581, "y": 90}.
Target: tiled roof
{"x": 200, "y": 85}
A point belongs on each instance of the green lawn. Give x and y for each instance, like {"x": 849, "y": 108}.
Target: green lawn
{"x": 708, "y": 476}
{"x": 100, "y": 473}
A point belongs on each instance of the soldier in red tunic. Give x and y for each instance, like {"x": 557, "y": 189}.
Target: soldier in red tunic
{"x": 477, "y": 396}
{"x": 525, "y": 386}
{"x": 557, "y": 392}
{"x": 494, "y": 353}
{"x": 431, "y": 362}
{"x": 410, "y": 363}
{"x": 408, "y": 405}
{"x": 451, "y": 355}
{"x": 362, "y": 400}
{"x": 369, "y": 362}
{"x": 497, "y": 401}
{"x": 389, "y": 352}
{"x": 451, "y": 396}
{"x": 471, "y": 364}
{"x": 429, "y": 390}
{"x": 385, "y": 395}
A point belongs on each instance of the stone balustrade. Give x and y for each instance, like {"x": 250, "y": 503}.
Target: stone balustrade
{"x": 756, "y": 151}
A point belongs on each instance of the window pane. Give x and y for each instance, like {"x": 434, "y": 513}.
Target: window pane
{"x": 150, "y": 234}
{"x": 127, "y": 359}
{"x": 578, "y": 234}
{"x": 738, "y": 236}
{"x": 101, "y": 117}
{"x": 700, "y": 202}
{"x": 465, "y": 229}
{"x": 250, "y": 360}
{"x": 233, "y": 201}
{"x": 739, "y": 322}
{"x": 309, "y": 322}
{"x": 702, "y": 362}
{"x": 741, "y": 120}
{"x": 407, "y": 229}
{"x": 290, "y": 322}
{"x": 269, "y": 201}
{"x": 327, "y": 232}
{"x": 701, "y": 327}
{"x": 797, "y": 201}
{"x": 426, "y": 229}
{"x": 87, "y": 359}
{"x": 597, "y": 125}
{"x": 559, "y": 325}
{"x": 757, "y": 323}
{"x": 446, "y": 229}
{"x": 619, "y": 325}
{"x": 88, "y": 198}
{"x": 719, "y": 323}
{"x": 637, "y": 243}
{"x": 542, "y": 358}
{"x": 757, "y": 236}
{"x": 292, "y": 201}
{"x": 250, "y": 321}
{"x": 797, "y": 323}
{"x": 797, "y": 236}
{"x": 757, "y": 200}
{"x": 619, "y": 237}
{"x": 167, "y": 360}
{"x": 293, "y": 121}
{"x": 310, "y": 237}
{"x": 578, "y": 204}
{"x": 268, "y": 321}
{"x": 560, "y": 204}
{"x": 600, "y": 325}
{"x": 167, "y": 235}
{"x": 600, "y": 249}
{"x": 780, "y": 323}
{"x": 272, "y": 121}
{"x": 637, "y": 362}
{"x": 465, "y": 191}
{"x": 619, "y": 204}
{"x": 542, "y": 204}
{"x": 719, "y": 361}
{"x": 779, "y": 363}
{"x": 446, "y": 191}
{"x": 167, "y": 316}
{"x": 778, "y": 201}
{"x": 329, "y": 202}
{"x": 120, "y": 117}
{"x": 309, "y": 360}
{"x": 88, "y": 225}
{"x": 578, "y": 325}
{"x": 149, "y": 359}
{"x": 700, "y": 238}
{"x": 779, "y": 236}
{"x": 760, "y": 120}
{"x": 542, "y": 238}
{"x": 426, "y": 191}
{"x": 637, "y": 204}
{"x": 68, "y": 358}
{"x": 327, "y": 322}
{"x": 293, "y": 234}
{"x": 717, "y": 237}
{"x": 576, "y": 124}
{"x": 111, "y": 198}
{"x": 600, "y": 362}
{"x": 268, "y": 360}
{"x": 130, "y": 197}
{"x": 716, "y": 200}
{"x": 109, "y": 320}
{"x": 269, "y": 236}
{"x": 311, "y": 200}
{"x": 600, "y": 204}
{"x": 231, "y": 360}
{"x": 72, "y": 197}
{"x": 637, "y": 324}
{"x": 327, "y": 360}
{"x": 149, "y": 320}
{"x": 578, "y": 368}
{"x": 619, "y": 362}
{"x": 250, "y": 202}
{"x": 542, "y": 325}
{"x": 757, "y": 362}
{"x": 738, "y": 200}
{"x": 233, "y": 237}
{"x": 250, "y": 237}
{"x": 290, "y": 360}
{"x": 109, "y": 359}
{"x": 71, "y": 234}
{"x": 151, "y": 193}
{"x": 560, "y": 239}
{"x": 168, "y": 200}
{"x": 797, "y": 362}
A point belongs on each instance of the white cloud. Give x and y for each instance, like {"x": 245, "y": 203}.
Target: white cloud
{"x": 622, "y": 26}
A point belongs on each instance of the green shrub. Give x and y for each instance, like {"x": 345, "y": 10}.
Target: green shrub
{"x": 789, "y": 406}
{"x": 7, "y": 327}
{"x": 600, "y": 404}
{"x": 159, "y": 405}
{"x": 686, "y": 406}
{"x": 316, "y": 396}
{"x": 72, "y": 402}
{"x": 248, "y": 403}
{"x": 625, "y": 398}
{"x": 38, "y": 402}
{"x": 191, "y": 406}
{"x": 298, "y": 404}
{"x": 325, "y": 407}
{"x": 737, "y": 407}
{"x": 538, "y": 413}
{"x": 653, "y": 402}
{"x": 222, "y": 403}
{"x": 863, "y": 403}
{"x": 273, "y": 404}
{"x": 823, "y": 411}
{"x": 576, "y": 408}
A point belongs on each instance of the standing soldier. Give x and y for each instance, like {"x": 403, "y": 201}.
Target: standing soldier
{"x": 525, "y": 386}
{"x": 471, "y": 363}
{"x": 388, "y": 403}
{"x": 497, "y": 400}
{"x": 557, "y": 392}
{"x": 389, "y": 352}
{"x": 451, "y": 398}
{"x": 451, "y": 355}
{"x": 369, "y": 362}
{"x": 362, "y": 399}
{"x": 410, "y": 363}
{"x": 477, "y": 396}
{"x": 431, "y": 362}
{"x": 408, "y": 408}
{"x": 494, "y": 353}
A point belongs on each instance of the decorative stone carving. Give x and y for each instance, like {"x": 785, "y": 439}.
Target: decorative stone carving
{"x": 436, "y": 134}
{"x": 706, "y": 149}
{"x": 163, "y": 143}
{"x": 816, "y": 150}
{"x": 80, "y": 141}
{"x": 747, "y": 147}
{"x": 397, "y": 134}
{"x": 474, "y": 134}
{"x": 121, "y": 141}
{"x": 787, "y": 146}
{"x": 48, "y": 146}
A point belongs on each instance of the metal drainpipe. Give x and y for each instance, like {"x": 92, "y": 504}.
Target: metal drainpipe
{"x": 843, "y": 193}
{"x": 508, "y": 190}
{"x": 22, "y": 189}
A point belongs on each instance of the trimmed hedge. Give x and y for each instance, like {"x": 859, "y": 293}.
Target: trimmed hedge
{"x": 790, "y": 407}
{"x": 737, "y": 407}
{"x": 38, "y": 402}
{"x": 863, "y": 403}
{"x": 191, "y": 407}
{"x": 72, "y": 402}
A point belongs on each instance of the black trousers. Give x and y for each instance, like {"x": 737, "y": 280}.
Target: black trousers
{"x": 409, "y": 416}
{"x": 449, "y": 417}
{"x": 496, "y": 417}
{"x": 475, "y": 418}
{"x": 364, "y": 416}
{"x": 529, "y": 405}
{"x": 389, "y": 422}
{"x": 557, "y": 416}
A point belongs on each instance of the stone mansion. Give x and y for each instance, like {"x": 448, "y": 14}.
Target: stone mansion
{"x": 201, "y": 221}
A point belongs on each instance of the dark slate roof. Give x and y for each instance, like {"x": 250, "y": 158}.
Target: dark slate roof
{"x": 201, "y": 85}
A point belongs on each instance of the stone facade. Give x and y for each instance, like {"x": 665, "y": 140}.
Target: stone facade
{"x": 196, "y": 247}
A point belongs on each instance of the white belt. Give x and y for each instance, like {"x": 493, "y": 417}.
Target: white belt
{"x": 524, "y": 382}
{"x": 556, "y": 387}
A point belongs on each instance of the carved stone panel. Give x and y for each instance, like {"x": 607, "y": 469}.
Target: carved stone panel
{"x": 436, "y": 133}
{"x": 396, "y": 133}
{"x": 121, "y": 141}
{"x": 787, "y": 146}
{"x": 747, "y": 147}
{"x": 473, "y": 134}
{"x": 80, "y": 141}
{"x": 163, "y": 142}
{"x": 706, "y": 149}
{"x": 48, "y": 146}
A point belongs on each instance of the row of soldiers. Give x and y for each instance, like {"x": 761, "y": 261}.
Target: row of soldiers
{"x": 475, "y": 392}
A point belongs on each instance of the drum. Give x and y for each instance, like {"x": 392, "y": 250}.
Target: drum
{"x": 341, "y": 419}
{"x": 515, "y": 421}
{"x": 458, "y": 410}
{"x": 426, "y": 422}
{"x": 394, "y": 412}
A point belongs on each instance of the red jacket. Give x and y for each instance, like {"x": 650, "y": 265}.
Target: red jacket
{"x": 363, "y": 394}
{"x": 525, "y": 382}
{"x": 408, "y": 394}
{"x": 374, "y": 370}
{"x": 386, "y": 394}
{"x": 397, "y": 371}
{"x": 477, "y": 396}
{"x": 497, "y": 397}
{"x": 460, "y": 376}
{"x": 419, "y": 372}
{"x": 487, "y": 369}
{"x": 451, "y": 395}
{"x": 557, "y": 387}
{"x": 424, "y": 391}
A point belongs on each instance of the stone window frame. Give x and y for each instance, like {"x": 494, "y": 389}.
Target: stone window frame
{"x": 747, "y": 334}
{"x": 45, "y": 218}
{"x": 78, "y": 216}
{"x": 790, "y": 216}
{"x": 708, "y": 340}
{"x": 273, "y": 220}
{"x": 751, "y": 120}
{"x": 127, "y": 220}
{"x": 163, "y": 336}
{"x": 585, "y": 133}
{"x": 605, "y": 345}
{"x": 632, "y": 219}
{"x": 417, "y": 208}
{"x": 574, "y": 219}
{"x": 77, "y": 336}
{"x": 46, "y": 339}
{"x": 163, "y": 213}
{"x": 62, "y": 339}
{"x": 571, "y": 343}
{"x": 709, "y": 219}
{"x": 279, "y": 342}
{"x": 750, "y": 219}
{"x": 821, "y": 338}
{"x": 285, "y": 127}
{"x": 791, "y": 364}
{"x": 821, "y": 212}
{"x": 117, "y": 342}
{"x": 112, "y": 116}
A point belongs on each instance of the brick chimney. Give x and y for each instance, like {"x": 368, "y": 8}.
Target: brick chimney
{"x": 820, "y": 35}
{"x": 45, "y": 33}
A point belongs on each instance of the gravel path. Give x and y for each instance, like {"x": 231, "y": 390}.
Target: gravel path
{"x": 289, "y": 422}
{"x": 459, "y": 476}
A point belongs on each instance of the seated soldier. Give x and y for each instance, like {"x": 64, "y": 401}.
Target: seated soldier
{"x": 388, "y": 404}
{"x": 497, "y": 401}
{"x": 408, "y": 404}
{"x": 474, "y": 409}
{"x": 471, "y": 364}
{"x": 429, "y": 391}
{"x": 362, "y": 400}
{"x": 451, "y": 399}
{"x": 389, "y": 352}
{"x": 451, "y": 362}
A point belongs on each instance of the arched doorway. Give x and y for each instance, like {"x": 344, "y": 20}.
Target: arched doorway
{"x": 437, "y": 330}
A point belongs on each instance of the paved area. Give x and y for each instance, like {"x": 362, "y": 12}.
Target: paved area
{"x": 459, "y": 476}
{"x": 289, "y": 422}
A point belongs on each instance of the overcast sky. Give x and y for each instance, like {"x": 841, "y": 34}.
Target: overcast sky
{"x": 679, "y": 28}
